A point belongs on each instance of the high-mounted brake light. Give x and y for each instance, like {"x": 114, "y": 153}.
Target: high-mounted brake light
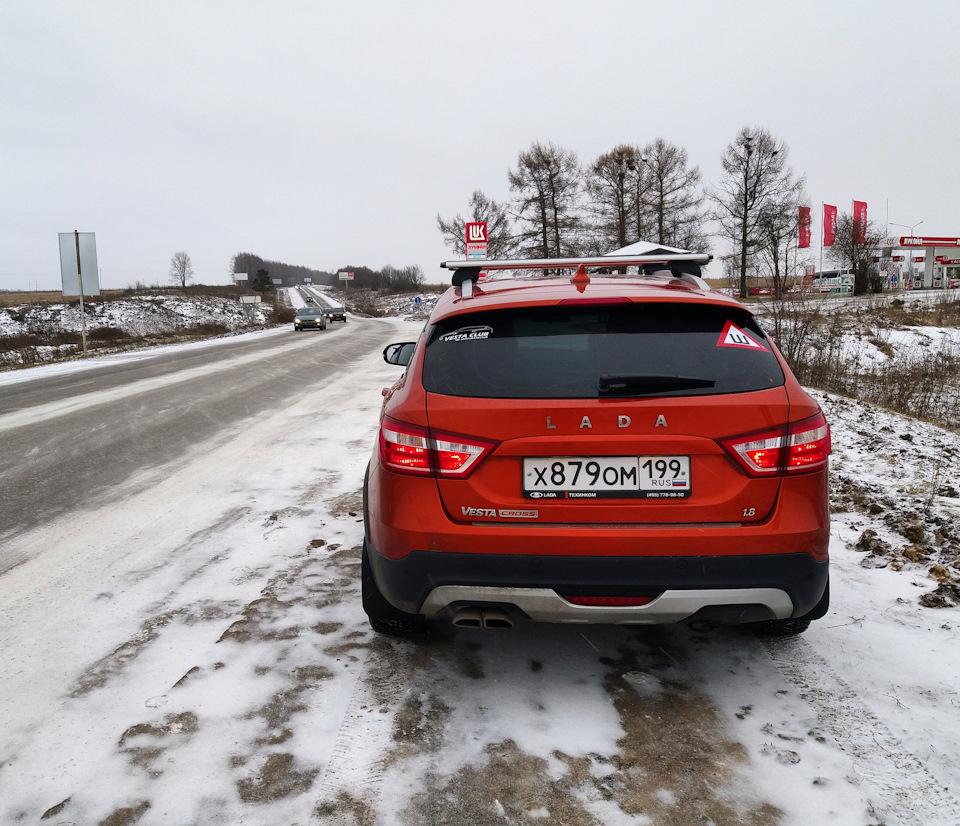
{"x": 409, "y": 448}
{"x": 802, "y": 447}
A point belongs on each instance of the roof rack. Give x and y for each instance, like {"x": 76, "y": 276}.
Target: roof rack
{"x": 684, "y": 266}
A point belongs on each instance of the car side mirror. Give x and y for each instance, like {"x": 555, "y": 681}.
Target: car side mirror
{"x": 399, "y": 354}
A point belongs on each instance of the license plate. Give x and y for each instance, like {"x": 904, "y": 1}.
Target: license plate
{"x": 607, "y": 477}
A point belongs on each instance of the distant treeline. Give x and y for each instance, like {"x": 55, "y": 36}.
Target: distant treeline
{"x": 291, "y": 275}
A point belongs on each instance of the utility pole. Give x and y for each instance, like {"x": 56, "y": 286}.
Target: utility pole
{"x": 910, "y": 268}
{"x": 83, "y": 318}
{"x": 637, "y": 168}
{"x": 746, "y": 205}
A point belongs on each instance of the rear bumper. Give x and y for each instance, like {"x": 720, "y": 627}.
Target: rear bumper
{"x": 424, "y": 562}
{"x": 728, "y": 589}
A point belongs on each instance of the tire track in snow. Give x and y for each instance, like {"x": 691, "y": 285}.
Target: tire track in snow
{"x": 350, "y": 786}
{"x": 909, "y": 793}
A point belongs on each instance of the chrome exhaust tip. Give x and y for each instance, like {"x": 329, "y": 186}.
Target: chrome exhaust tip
{"x": 497, "y": 619}
{"x": 482, "y": 618}
{"x": 468, "y": 618}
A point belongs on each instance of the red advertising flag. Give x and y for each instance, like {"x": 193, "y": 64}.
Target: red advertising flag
{"x": 859, "y": 222}
{"x": 804, "y": 228}
{"x": 829, "y": 225}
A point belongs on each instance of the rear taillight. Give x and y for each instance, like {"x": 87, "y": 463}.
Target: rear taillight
{"x": 801, "y": 447}
{"x": 413, "y": 449}
{"x": 808, "y": 445}
{"x": 405, "y": 447}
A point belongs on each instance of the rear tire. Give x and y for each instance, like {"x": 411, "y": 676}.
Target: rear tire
{"x": 384, "y": 618}
{"x": 792, "y": 627}
{"x": 780, "y": 628}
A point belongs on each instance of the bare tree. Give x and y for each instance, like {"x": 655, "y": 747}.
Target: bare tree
{"x": 181, "y": 270}
{"x": 405, "y": 279}
{"x": 500, "y": 243}
{"x": 856, "y": 250}
{"x": 777, "y": 230}
{"x": 548, "y": 183}
{"x": 755, "y": 181}
{"x": 612, "y": 184}
{"x": 673, "y": 197}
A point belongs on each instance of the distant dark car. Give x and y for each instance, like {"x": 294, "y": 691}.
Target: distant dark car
{"x": 335, "y": 314}
{"x": 309, "y": 318}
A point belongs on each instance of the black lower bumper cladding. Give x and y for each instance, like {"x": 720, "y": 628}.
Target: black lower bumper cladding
{"x": 407, "y": 582}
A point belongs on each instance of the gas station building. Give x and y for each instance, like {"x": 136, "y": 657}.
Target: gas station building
{"x": 921, "y": 262}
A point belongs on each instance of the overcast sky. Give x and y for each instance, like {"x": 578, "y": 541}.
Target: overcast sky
{"x": 332, "y": 133}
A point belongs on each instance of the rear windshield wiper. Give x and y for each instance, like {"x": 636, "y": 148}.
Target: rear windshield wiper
{"x": 641, "y": 384}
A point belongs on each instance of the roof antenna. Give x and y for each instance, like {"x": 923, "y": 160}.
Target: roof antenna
{"x": 581, "y": 279}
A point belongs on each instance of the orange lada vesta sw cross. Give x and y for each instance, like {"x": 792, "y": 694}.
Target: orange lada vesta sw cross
{"x": 588, "y": 448}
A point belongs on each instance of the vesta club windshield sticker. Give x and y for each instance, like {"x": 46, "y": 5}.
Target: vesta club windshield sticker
{"x": 468, "y": 334}
{"x": 733, "y": 336}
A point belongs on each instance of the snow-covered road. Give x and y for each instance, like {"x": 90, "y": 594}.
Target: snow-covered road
{"x": 195, "y": 653}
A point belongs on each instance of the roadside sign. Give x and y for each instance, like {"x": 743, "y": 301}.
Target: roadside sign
{"x": 928, "y": 241}
{"x": 78, "y": 263}
{"x": 345, "y": 276}
{"x": 476, "y": 240}
{"x": 78, "y": 258}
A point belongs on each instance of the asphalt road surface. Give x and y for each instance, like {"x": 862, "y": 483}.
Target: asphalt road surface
{"x": 75, "y": 440}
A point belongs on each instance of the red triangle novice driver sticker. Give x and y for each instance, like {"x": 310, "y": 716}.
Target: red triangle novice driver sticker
{"x": 733, "y": 336}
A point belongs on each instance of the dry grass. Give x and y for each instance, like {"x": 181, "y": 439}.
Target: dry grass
{"x": 52, "y": 297}
{"x": 15, "y": 299}
{"x": 923, "y": 382}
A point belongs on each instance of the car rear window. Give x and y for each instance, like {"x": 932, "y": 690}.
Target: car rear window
{"x": 625, "y": 351}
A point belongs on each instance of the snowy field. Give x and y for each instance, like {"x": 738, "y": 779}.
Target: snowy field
{"x": 200, "y": 656}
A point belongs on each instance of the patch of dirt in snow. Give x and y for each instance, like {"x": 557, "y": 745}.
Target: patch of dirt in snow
{"x": 113, "y": 666}
{"x": 144, "y": 742}
{"x": 673, "y": 764}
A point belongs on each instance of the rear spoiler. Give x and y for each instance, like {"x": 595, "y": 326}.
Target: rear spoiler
{"x": 685, "y": 266}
